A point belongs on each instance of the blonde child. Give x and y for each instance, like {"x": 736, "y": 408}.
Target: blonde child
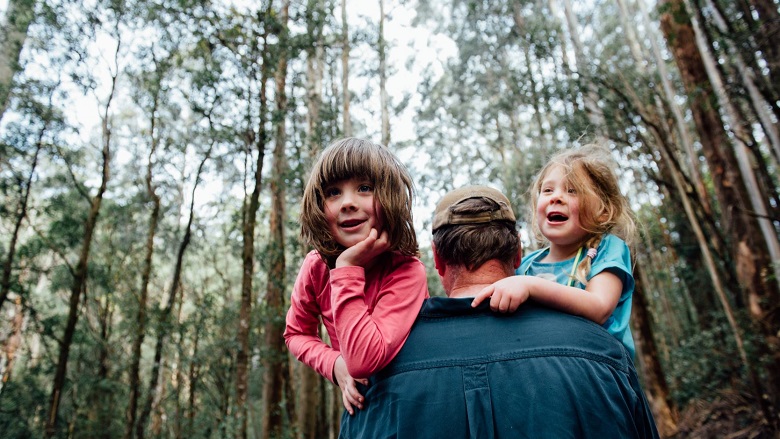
{"x": 579, "y": 211}
{"x": 363, "y": 278}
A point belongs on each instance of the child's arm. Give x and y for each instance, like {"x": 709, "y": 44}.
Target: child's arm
{"x": 371, "y": 334}
{"x": 302, "y": 332}
{"x": 596, "y": 303}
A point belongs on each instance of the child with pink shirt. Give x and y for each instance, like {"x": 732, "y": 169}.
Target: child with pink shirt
{"x": 363, "y": 278}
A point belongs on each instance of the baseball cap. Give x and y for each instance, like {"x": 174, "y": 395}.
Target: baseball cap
{"x": 443, "y": 215}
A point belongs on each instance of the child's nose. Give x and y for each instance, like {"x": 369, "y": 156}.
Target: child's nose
{"x": 348, "y": 201}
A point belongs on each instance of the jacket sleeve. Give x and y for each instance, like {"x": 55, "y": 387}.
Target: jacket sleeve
{"x": 302, "y": 331}
{"x": 371, "y": 334}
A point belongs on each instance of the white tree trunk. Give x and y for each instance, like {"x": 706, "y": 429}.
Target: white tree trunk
{"x": 741, "y": 150}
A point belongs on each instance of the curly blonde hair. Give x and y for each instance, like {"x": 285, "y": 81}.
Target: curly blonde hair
{"x": 604, "y": 209}
{"x": 393, "y": 191}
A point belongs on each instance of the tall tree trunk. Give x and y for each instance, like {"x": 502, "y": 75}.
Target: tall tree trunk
{"x": 748, "y": 246}
{"x": 164, "y": 325}
{"x": 277, "y": 374}
{"x": 590, "y": 94}
{"x": 314, "y": 75}
{"x": 767, "y": 38}
{"x": 742, "y": 146}
{"x": 383, "y": 98}
{"x": 682, "y": 130}
{"x": 522, "y": 33}
{"x": 307, "y": 414}
{"x": 345, "y": 48}
{"x": 248, "y": 223}
{"x": 146, "y": 274}
{"x": 11, "y": 344}
{"x": 13, "y": 32}
{"x": 655, "y": 382}
{"x": 80, "y": 272}
{"x": 193, "y": 376}
{"x": 21, "y": 214}
{"x": 105, "y": 308}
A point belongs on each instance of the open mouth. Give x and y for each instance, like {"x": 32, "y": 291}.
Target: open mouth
{"x": 556, "y": 217}
{"x": 352, "y": 223}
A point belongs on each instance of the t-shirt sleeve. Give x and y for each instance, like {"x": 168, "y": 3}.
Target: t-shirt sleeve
{"x": 370, "y": 335}
{"x": 614, "y": 256}
{"x": 302, "y": 330}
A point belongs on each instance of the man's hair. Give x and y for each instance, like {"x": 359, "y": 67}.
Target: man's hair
{"x": 471, "y": 245}
{"x": 393, "y": 190}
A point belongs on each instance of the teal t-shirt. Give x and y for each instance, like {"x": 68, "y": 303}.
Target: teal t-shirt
{"x": 612, "y": 255}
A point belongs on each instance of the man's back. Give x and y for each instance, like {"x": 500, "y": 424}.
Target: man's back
{"x": 466, "y": 373}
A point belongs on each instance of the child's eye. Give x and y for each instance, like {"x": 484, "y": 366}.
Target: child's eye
{"x": 331, "y": 192}
{"x": 365, "y": 188}
{"x": 546, "y": 190}
{"x": 571, "y": 191}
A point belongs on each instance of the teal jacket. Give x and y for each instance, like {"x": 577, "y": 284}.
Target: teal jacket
{"x": 472, "y": 373}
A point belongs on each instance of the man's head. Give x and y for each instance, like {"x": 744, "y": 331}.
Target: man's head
{"x": 473, "y": 225}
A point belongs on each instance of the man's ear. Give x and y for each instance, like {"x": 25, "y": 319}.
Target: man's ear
{"x": 519, "y": 256}
{"x": 437, "y": 261}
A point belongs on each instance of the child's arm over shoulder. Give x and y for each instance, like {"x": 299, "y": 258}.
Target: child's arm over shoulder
{"x": 372, "y": 330}
{"x": 596, "y": 303}
{"x": 302, "y": 331}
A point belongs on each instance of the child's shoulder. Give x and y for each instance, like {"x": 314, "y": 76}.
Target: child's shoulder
{"x": 395, "y": 261}
{"x": 313, "y": 262}
{"x": 613, "y": 241}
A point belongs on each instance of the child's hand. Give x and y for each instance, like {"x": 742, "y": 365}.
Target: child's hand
{"x": 349, "y": 393}
{"x": 505, "y": 295}
{"x": 362, "y": 253}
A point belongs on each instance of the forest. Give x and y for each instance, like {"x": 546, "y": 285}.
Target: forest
{"x": 153, "y": 156}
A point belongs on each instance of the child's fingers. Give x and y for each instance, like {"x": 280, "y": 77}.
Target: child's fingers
{"x": 363, "y": 381}
{"x": 354, "y": 397}
{"x": 482, "y": 295}
{"x": 347, "y": 405}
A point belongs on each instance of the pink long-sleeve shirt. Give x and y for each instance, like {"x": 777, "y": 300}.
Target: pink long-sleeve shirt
{"x": 368, "y": 314}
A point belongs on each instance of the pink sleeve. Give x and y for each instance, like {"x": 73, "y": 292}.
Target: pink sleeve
{"x": 302, "y": 333}
{"x": 370, "y": 337}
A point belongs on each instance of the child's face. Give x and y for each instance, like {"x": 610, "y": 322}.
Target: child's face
{"x": 558, "y": 211}
{"x": 351, "y": 211}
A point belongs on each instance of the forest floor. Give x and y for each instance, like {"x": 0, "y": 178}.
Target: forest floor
{"x": 732, "y": 415}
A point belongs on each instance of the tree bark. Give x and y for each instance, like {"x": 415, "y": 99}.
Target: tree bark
{"x": 767, "y": 41}
{"x": 655, "y": 382}
{"x": 146, "y": 274}
{"x": 345, "y": 48}
{"x": 383, "y": 98}
{"x": 277, "y": 374}
{"x": 590, "y": 94}
{"x": 248, "y": 223}
{"x": 13, "y": 33}
{"x": 80, "y": 272}
{"x": 748, "y": 247}
{"x": 21, "y": 214}
{"x": 164, "y": 325}
{"x": 11, "y": 344}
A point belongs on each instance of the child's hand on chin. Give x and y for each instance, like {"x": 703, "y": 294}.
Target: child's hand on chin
{"x": 364, "y": 252}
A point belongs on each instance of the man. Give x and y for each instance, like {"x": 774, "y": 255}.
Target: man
{"x": 470, "y": 373}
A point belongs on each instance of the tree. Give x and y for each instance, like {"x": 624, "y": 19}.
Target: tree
{"x": 79, "y": 273}
{"x": 13, "y": 33}
{"x": 277, "y": 375}
{"x": 748, "y": 247}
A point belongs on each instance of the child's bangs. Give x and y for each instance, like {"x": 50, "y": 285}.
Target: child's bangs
{"x": 346, "y": 163}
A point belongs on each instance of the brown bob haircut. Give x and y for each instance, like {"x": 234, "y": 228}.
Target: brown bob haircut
{"x": 471, "y": 245}
{"x": 393, "y": 191}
